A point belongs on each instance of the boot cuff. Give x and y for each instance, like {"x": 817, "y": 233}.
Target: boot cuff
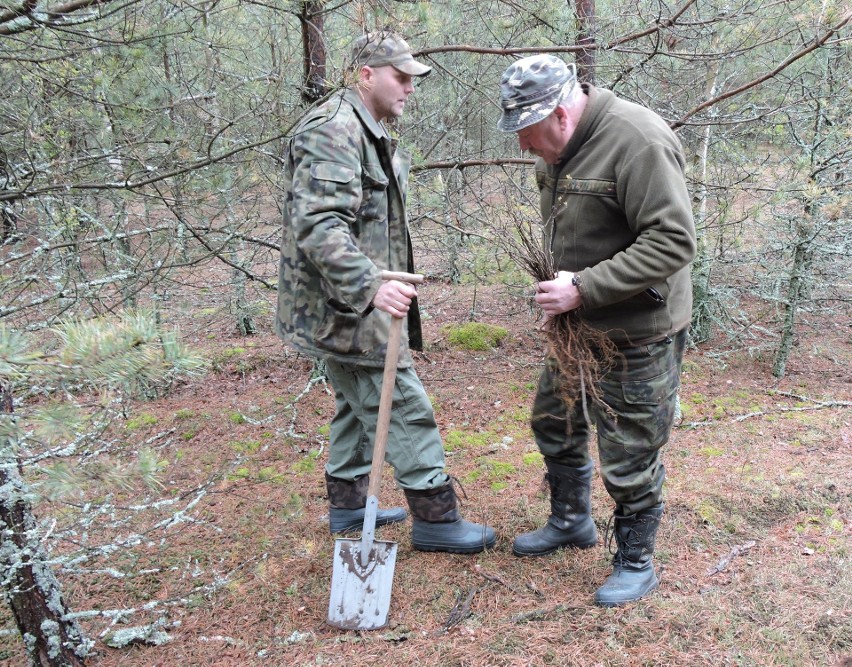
{"x": 343, "y": 494}
{"x": 438, "y": 505}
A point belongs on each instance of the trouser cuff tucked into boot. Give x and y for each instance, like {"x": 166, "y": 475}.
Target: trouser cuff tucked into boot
{"x": 438, "y": 526}
{"x": 570, "y": 523}
{"x": 633, "y": 575}
{"x": 348, "y": 500}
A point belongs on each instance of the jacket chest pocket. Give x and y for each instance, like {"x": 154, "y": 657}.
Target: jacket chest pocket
{"x": 586, "y": 222}
{"x": 372, "y": 216}
{"x": 591, "y": 192}
{"x": 567, "y": 196}
{"x": 374, "y": 187}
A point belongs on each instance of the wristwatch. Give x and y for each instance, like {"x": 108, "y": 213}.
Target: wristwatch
{"x": 576, "y": 282}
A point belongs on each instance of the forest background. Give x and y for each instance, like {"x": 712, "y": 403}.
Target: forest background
{"x": 161, "y": 452}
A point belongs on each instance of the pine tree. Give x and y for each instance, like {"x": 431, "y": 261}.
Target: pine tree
{"x": 115, "y": 359}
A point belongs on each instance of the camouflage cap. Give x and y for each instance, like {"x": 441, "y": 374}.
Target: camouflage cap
{"x": 531, "y": 88}
{"x": 377, "y": 49}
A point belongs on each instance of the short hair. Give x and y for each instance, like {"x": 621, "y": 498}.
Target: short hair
{"x": 571, "y": 97}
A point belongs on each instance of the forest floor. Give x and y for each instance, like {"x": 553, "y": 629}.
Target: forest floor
{"x": 753, "y": 550}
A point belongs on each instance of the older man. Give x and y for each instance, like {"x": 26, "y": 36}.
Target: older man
{"x": 345, "y": 222}
{"x": 618, "y": 221}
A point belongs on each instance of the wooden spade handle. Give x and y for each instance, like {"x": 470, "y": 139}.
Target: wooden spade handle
{"x": 385, "y": 403}
{"x": 413, "y": 278}
{"x": 388, "y": 382}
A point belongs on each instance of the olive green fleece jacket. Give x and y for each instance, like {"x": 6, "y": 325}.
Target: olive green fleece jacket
{"x": 617, "y": 212}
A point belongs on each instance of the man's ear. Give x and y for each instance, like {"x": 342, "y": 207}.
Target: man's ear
{"x": 561, "y": 114}
{"x": 366, "y": 74}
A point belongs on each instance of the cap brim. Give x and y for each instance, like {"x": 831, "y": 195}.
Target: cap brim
{"x": 413, "y": 68}
{"x": 514, "y": 120}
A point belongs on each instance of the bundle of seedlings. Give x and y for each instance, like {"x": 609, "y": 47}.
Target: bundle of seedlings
{"x": 582, "y": 354}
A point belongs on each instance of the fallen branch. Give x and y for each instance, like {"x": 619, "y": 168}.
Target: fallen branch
{"x": 491, "y": 577}
{"x": 799, "y": 397}
{"x": 738, "y": 550}
{"x": 817, "y": 405}
{"x": 461, "y": 610}
{"x": 316, "y": 378}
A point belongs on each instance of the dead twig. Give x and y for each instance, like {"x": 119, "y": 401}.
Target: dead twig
{"x": 461, "y": 610}
{"x": 817, "y": 405}
{"x": 738, "y": 550}
{"x": 491, "y": 577}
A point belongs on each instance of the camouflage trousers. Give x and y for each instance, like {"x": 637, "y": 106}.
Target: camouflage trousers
{"x": 414, "y": 449}
{"x": 641, "y": 393}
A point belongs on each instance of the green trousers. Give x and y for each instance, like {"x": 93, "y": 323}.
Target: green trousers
{"x": 640, "y": 391}
{"x": 414, "y": 450}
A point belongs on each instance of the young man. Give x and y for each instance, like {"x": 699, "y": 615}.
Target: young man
{"x": 618, "y": 220}
{"x": 345, "y": 222}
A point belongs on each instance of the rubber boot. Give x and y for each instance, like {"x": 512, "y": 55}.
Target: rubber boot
{"x": 570, "y": 523}
{"x": 348, "y": 499}
{"x": 633, "y": 573}
{"x": 438, "y": 526}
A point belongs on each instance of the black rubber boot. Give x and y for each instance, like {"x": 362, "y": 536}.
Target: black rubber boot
{"x": 348, "y": 500}
{"x": 570, "y": 523}
{"x": 633, "y": 573}
{"x": 438, "y": 526}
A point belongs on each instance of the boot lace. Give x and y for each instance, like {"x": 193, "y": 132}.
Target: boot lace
{"x": 454, "y": 481}
{"x": 611, "y": 535}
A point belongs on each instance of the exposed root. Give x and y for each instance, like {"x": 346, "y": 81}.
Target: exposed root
{"x": 582, "y": 354}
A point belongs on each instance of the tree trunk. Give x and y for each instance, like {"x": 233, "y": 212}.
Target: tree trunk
{"x": 702, "y": 298}
{"x": 8, "y": 223}
{"x": 314, "y": 58}
{"x": 587, "y": 58}
{"x": 245, "y": 321}
{"x": 801, "y": 262}
{"x": 29, "y": 584}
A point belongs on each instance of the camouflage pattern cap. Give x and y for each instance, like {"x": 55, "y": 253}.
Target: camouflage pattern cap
{"x": 377, "y": 49}
{"x": 531, "y": 88}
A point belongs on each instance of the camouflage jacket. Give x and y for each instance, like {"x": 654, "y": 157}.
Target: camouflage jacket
{"x": 344, "y": 222}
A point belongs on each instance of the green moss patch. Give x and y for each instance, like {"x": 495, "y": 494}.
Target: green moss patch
{"x": 475, "y": 336}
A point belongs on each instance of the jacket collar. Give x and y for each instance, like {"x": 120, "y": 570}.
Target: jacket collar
{"x": 371, "y": 124}
{"x": 599, "y": 102}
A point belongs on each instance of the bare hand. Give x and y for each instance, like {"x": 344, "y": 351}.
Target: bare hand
{"x": 559, "y": 295}
{"x": 394, "y": 297}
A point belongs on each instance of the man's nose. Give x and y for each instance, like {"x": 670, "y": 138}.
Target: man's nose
{"x": 523, "y": 143}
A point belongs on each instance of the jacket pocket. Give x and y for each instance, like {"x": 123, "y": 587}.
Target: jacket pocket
{"x": 332, "y": 181}
{"x": 332, "y": 171}
{"x": 371, "y": 228}
{"x": 374, "y": 203}
{"x": 338, "y": 330}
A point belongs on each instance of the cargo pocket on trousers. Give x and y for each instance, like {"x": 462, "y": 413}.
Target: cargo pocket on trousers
{"x": 651, "y": 403}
